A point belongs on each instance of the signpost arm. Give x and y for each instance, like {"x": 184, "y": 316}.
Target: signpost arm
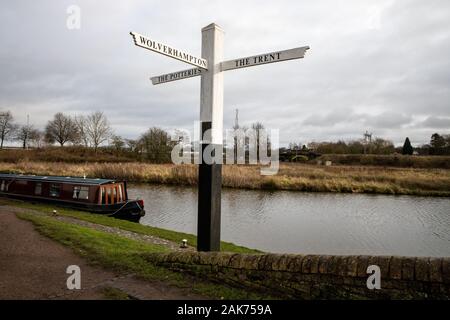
{"x": 211, "y": 122}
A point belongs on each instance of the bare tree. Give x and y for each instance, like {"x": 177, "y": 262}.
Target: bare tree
{"x": 25, "y": 134}
{"x": 37, "y": 138}
{"x": 118, "y": 143}
{"x": 97, "y": 129}
{"x": 80, "y": 122}
{"x": 132, "y": 145}
{"x": 7, "y": 126}
{"x": 258, "y": 127}
{"x": 61, "y": 129}
{"x": 156, "y": 144}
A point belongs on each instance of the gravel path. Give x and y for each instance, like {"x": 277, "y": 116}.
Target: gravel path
{"x": 34, "y": 267}
{"x": 127, "y": 234}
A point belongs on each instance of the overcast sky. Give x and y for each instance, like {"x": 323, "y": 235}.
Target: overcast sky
{"x": 381, "y": 66}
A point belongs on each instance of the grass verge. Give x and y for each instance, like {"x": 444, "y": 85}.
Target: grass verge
{"x": 126, "y": 225}
{"x": 111, "y": 293}
{"x": 124, "y": 255}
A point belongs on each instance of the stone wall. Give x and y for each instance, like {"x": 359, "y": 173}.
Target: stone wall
{"x": 317, "y": 276}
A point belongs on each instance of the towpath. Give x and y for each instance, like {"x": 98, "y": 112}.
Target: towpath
{"x": 34, "y": 267}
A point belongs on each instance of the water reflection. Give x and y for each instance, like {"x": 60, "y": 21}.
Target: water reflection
{"x": 315, "y": 223}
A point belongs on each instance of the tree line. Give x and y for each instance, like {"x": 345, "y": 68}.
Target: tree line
{"x": 89, "y": 131}
{"x": 438, "y": 145}
{"x": 376, "y": 146}
{"x": 94, "y": 131}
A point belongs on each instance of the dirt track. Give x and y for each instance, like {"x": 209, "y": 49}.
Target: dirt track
{"x": 34, "y": 267}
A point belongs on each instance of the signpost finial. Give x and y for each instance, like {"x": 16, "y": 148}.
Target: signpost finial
{"x": 212, "y": 26}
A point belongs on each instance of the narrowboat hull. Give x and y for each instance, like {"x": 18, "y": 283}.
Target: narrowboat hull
{"x": 130, "y": 210}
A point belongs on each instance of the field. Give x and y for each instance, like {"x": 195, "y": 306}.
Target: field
{"x": 291, "y": 176}
{"x": 78, "y": 154}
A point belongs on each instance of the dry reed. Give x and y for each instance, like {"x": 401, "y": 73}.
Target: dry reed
{"x": 299, "y": 177}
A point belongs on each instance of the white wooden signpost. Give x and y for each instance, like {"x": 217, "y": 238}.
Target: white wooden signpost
{"x": 210, "y": 67}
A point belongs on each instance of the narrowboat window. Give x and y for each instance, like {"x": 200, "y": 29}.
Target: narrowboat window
{"x": 103, "y": 195}
{"x": 81, "y": 192}
{"x": 108, "y": 195}
{"x": 55, "y": 190}
{"x": 120, "y": 193}
{"x": 2, "y": 187}
{"x": 38, "y": 188}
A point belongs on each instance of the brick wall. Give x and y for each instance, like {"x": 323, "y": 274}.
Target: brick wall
{"x": 317, "y": 276}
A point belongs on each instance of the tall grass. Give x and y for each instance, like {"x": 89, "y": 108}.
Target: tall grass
{"x": 391, "y": 160}
{"x": 299, "y": 177}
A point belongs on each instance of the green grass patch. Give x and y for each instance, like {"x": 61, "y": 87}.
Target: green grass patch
{"x": 126, "y": 256}
{"x": 100, "y": 247}
{"x": 111, "y": 293}
{"x": 129, "y": 226}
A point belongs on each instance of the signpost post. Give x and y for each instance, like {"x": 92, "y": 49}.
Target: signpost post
{"x": 210, "y": 67}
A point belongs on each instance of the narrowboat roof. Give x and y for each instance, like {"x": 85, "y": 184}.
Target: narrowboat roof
{"x": 74, "y": 180}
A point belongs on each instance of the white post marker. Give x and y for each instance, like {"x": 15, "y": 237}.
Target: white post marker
{"x": 210, "y": 67}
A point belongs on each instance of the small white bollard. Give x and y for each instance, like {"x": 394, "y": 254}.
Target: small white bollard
{"x": 183, "y": 243}
{"x": 55, "y": 213}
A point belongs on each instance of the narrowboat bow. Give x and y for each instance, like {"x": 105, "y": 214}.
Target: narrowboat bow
{"x": 102, "y": 196}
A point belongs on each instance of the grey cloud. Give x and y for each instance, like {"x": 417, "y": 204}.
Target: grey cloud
{"x": 436, "y": 122}
{"x": 331, "y": 119}
{"x": 372, "y": 65}
{"x": 388, "y": 120}
{"x": 349, "y": 117}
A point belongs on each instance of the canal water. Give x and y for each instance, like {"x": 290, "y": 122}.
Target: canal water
{"x": 310, "y": 223}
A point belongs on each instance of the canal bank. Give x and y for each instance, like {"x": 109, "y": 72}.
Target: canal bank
{"x": 107, "y": 244}
{"x": 241, "y": 274}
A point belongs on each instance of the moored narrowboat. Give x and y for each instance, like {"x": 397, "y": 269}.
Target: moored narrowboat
{"x": 102, "y": 196}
